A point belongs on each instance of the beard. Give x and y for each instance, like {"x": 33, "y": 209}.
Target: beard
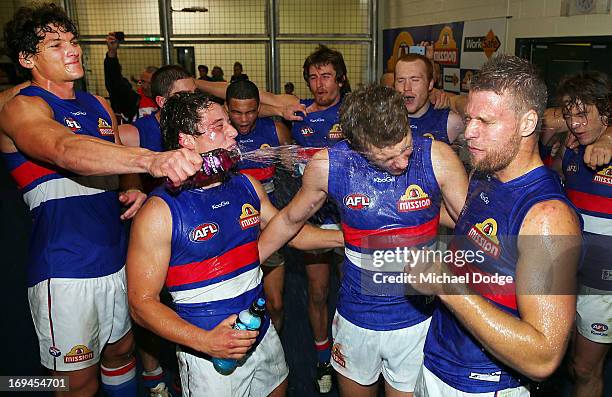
{"x": 498, "y": 158}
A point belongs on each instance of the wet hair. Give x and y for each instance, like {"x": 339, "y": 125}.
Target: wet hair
{"x": 164, "y": 78}
{"x": 374, "y": 115}
{"x": 203, "y": 67}
{"x": 324, "y": 55}
{"x": 587, "y": 88}
{"x": 181, "y": 113}
{"x": 242, "y": 89}
{"x": 516, "y": 77}
{"x": 27, "y": 30}
{"x": 429, "y": 70}
{"x": 289, "y": 86}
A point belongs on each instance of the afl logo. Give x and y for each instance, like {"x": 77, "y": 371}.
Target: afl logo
{"x": 599, "y": 327}
{"x": 249, "y": 216}
{"x": 571, "y": 168}
{"x": 72, "y": 124}
{"x": 356, "y": 201}
{"x": 306, "y": 131}
{"x": 413, "y": 199}
{"x": 204, "y": 232}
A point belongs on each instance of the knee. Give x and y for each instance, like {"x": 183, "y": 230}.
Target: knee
{"x": 84, "y": 385}
{"x": 275, "y": 305}
{"x": 317, "y": 294}
{"x": 120, "y": 351}
{"x": 584, "y": 372}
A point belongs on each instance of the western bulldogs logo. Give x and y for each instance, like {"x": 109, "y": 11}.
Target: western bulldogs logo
{"x": 204, "y": 232}
{"x": 357, "y": 201}
{"x": 78, "y": 354}
{"x": 335, "y": 132}
{"x": 54, "y": 351}
{"x": 72, "y": 124}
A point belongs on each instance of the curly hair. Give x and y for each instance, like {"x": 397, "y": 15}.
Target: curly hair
{"x": 28, "y": 28}
{"x": 181, "y": 114}
{"x": 587, "y": 88}
{"x": 324, "y": 55}
{"x": 374, "y": 116}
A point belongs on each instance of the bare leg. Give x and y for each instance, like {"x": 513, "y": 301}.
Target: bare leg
{"x": 281, "y": 390}
{"x": 317, "y": 272}
{"x": 587, "y": 366}
{"x": 274, "y": 283}
{"x": 392, "y": 392}
{"x": 350, "y": 388}
{"x": 83, "y": 382}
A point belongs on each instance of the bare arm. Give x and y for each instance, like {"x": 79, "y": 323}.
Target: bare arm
{"x": 283, "y": 133}
{"x": 311, "y": 196}
{"x": 452, "y": 179}
{"x": 458, "y": 103}
{"x": 535, "y": 342}
{"x": 147, "y": 266}
{"x": 28, "y": 123}
{"x": 9, "y": 93}
{"x": 129, "y": 135}
{"x": 454, "y": 126}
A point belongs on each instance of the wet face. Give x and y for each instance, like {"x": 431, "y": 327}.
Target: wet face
{"x": 58, "y": 58}
{"x": 243, "y": 114}
{"x": 392, "y": 159}
{"x": 323, "y": 85}
{"x": 216, "y": 129}
{"x": 411, "y": 81}
{"x": 584, "y": 121}
{"x": 492, "y": 131}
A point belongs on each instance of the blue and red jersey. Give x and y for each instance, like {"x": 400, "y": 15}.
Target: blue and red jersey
{"x": 214, "y": 263}
{"x": 77, "y": 231}
{"x": 432, "y": 124}
{"x": 489, "y": 223}
{"x": 263, "y": 135}
{"x": 380, "y": 212}
{"x": 591, "y": 192}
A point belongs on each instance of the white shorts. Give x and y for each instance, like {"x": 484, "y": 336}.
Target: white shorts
{"x": 362, "y": 354}
{"x": 262, "y": 371}
{"x": 76, "y": 317}
{"x": 594, "y": 314}
{"x": 429, "y": 385}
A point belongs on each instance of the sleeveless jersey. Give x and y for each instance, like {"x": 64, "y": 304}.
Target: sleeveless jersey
{"x": 591, "y": 191}
{"x": 489, "y": 222}
{"x": 380, "y": 212}
{"x": 263, "y": 135}
{"x": 318, "y": 129}
{"x": 149, "y": 132}
{"x": 76, "y": 229}
{"x": 214, "y": 263}
{"x": 433, "y": 124}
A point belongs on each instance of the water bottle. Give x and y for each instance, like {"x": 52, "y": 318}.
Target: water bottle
{"x": 249, "y": 319}
{"x": 215, "y": 166}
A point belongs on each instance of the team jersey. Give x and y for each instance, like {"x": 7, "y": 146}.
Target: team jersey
{"x": 591, "y": 192}
{"x": 149, "y": 132}
{"x": 489, "y": 223}
{"x": 262, "y": 136}
{"x": 214, "y": 263}
{"x": 76, "y": 231}
{"x": 318, "y": 129}
{"x": 379, "y": 212}
{"x": 433, "y": 124}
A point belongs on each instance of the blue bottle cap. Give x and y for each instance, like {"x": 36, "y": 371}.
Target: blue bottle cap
{"x": 261, "y": 302}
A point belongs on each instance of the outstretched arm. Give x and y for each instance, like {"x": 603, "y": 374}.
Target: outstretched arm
{"x": 311, "y": 196}
{"x": 24, "y": 119}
